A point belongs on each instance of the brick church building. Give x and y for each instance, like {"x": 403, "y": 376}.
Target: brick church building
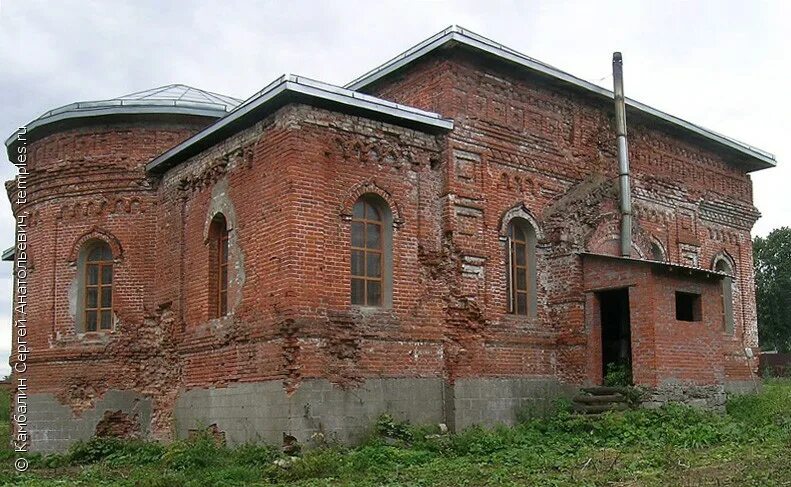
{"x": 437, "y": 240}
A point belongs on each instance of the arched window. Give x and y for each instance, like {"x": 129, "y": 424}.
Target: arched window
{"x": 371, "y": 252}
{"x": 521, "y": 267}
{"x": 657, "y": 252}
{"x": 723, "y": 265}
{"x": 218, "y": 266}
{"x": 97, "y": 289}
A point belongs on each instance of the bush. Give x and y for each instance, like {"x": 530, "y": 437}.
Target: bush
{"x": 387, "y": 427}
{"x": 197, "y": 453}
{"x": 533, "y": 453}
{"x": 94, "y": 450}
{"x": 314, "y": 464}
{"x": 618, "y": 375}
{"x": 5, "y": 406}
{"x": 252, "y": 455}
{"x": 770, "y": 408}
{"x": 137, "y": 452}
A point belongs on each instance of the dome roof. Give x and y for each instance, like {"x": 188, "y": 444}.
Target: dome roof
{"x": 181, "y": 95}
{"x": 171, "y": 99}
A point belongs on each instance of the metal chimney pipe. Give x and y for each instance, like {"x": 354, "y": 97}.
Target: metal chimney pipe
{"x": 623, "y": 156}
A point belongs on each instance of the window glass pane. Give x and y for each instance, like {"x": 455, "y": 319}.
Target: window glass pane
{"x": 373, "y": 237}
{"x": 95, "y": 254}
{"x": 373, "y": 264}
{"x": 516, "y": 232}
{"x": 358, "y": 263}
{"x": 519, "y": 250}
{"x": 358, "y": 238}
{"x": 521, "y": 303}
{"x": 223, "y": 304}
{"x": 100, "y": 251}
{"x": 359, "y": 209}
{"x": 107, "y": 319}
{"x": 521, "y": 279}
{"x": 358, "y": 291}
{"x": 224, "y": 249}
{"x": 106, "y": 253}
{"x": 372, "y": 213}
{"x": 107, "y": 297}
{"x": 374, "y": 293}
{"x": 218, "y": 224}
{"x": 224, "y": 277}
{"x": 107, "y": 274}
{"x": 91, "y": 297}
{"x": 90, "y": 321}
{"x": 93, "y": 274}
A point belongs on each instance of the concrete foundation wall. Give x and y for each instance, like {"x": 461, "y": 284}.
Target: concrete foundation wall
{"x": 710, "y": 396}
{"x": 738, "y": 387}
{"x": 491, "y": 401}
{"x": 262, "y": 412}
{"x": 53, "y": 426}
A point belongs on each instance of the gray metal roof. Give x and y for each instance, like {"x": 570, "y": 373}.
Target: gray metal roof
{"x": 8, "y": 254}
{"x": 759, "y": 159}
{"x": 182, "y": 95}
{"x": 170, "y": 99}
{"x": 289, "y": 88}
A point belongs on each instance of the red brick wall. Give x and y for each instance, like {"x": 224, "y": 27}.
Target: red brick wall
{"x": 663, "y": 348}
{"x": 552, "y": 150}
{"x": 292, "y": 186}
{"x": 85, "y": 183}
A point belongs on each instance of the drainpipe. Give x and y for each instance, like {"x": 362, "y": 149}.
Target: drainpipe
{"x": 623, "y": 156}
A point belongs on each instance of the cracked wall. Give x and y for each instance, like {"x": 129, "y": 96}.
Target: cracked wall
{"x": 286, "y": 186}
{"x": 519, "y": 142}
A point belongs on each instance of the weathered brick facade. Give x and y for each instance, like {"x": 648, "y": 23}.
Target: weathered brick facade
{"x": 293, "y": 355}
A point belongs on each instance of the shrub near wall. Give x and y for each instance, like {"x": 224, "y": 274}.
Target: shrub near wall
{"x": 676, "y": 445}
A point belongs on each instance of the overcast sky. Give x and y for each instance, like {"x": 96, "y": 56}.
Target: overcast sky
{"x": 724, "y": 65}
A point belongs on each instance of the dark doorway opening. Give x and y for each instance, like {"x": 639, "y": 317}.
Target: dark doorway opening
{"x": 616, "y": 335}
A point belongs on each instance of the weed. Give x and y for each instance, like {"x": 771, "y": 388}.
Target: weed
{"x": 673, "y": 445}
{"x": 388, "y": 427}
{"x": 618, "y": 375}
{"x": 199, "y": 452}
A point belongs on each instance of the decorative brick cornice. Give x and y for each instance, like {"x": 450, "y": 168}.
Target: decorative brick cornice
{"x": 729, "y": 214}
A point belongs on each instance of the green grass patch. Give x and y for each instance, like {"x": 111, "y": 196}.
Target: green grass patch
{"x": 675, "y": 445}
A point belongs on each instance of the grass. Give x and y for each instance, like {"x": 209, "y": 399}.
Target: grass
{"x": 673, "y": 446}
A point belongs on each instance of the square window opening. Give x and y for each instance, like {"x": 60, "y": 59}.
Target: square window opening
{"x": 688, "y": 306}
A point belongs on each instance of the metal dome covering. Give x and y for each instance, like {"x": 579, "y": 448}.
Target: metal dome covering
{"x": 181, "y": 94}
{"x": 170, "y": 99}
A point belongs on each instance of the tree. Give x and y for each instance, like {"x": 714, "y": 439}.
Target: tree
{"x": 772, "y": 260}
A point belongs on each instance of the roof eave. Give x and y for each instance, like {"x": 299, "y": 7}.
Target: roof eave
{"x": 274, "y": 95}
{"x": 657, "y": 264}
{"x": 8, "y": 254}
{"x": 759, "y": 159}
{"x": 120, "y": 111}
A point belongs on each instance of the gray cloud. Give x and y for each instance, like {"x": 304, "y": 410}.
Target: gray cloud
{"x": 721, "y": 64}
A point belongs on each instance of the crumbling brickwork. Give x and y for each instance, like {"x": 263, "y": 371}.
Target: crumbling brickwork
{"x": 521, "y": 147}
{"x": 518, "y": 141}
{"x": 90, "y": 183}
